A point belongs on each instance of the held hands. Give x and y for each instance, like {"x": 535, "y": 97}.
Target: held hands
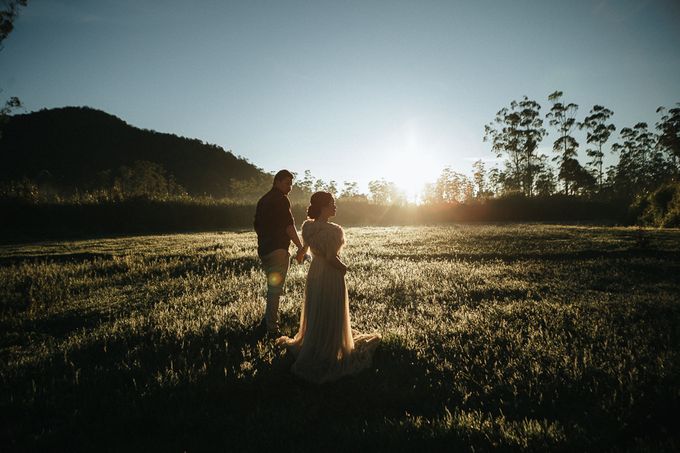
{"x": 300, "y": 255}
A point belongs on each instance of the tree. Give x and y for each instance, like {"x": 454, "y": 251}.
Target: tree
{"x": 650, "y": 159}
{"x": 545, "y": 178}
{"x": 495, "y": 181}
{"x": 146, "y": 179}
{"x": 248, "y": 190}
{"x": 319, "y": 186}
{"x": 479, "y": 178}
{"x": 532, "y": 133}
{"x": 577, "y": 179}
{"x": 11, "y": 104}
{"x": 504, "y": 181}
{"x": 597, "y": 134}
{"x": 7, "y": 17}
{"x": 669, "y": 133}
{"x": 350, "y": 191}
{"x": 641, "y": 166}
{"x": 563, "y": 118}
{"x": 451, "y": 187}
{"x": 504, "y": 137}
{"x": 332, "y": 188}
{"x": 516, "y": 132}
{"x": 385, "y": 192}
{"x": 626, "y": 173}
{"x": 379, "y": 191}
{"x": 306, "y": 184}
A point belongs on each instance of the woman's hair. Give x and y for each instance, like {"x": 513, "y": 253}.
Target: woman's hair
{"x": 317, "y": 202}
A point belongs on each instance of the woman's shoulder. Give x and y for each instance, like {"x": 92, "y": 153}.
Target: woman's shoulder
{"x": 313, "y": 224}
{"x": 311, "y": 228}
{"x": 321, "y": 231}
{"x": 336, "y": 227}
{"x": 338, "y": 234}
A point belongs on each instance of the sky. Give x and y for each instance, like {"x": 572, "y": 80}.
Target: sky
{"x": 350, "y": 90}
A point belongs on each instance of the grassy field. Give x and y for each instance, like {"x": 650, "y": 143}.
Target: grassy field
{"x": 518, "y": 337}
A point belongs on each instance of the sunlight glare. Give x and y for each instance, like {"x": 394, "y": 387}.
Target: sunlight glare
{"x": 412, "y": 166}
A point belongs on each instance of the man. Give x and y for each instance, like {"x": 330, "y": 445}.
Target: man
{"x": 275, "y": 229}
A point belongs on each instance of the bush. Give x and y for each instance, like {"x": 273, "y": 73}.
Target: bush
{"x": 660, "y": 208}
{"x": 22, "y": 218}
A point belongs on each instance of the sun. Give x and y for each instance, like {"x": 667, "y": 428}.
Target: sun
{"x": 410, "y": 156}
{"x": 411, "y": 172}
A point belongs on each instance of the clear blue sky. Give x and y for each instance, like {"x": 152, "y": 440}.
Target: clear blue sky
{"x": 352, "y": 90}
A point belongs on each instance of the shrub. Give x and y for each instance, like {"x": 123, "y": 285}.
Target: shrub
{"x": 660, "y": 208}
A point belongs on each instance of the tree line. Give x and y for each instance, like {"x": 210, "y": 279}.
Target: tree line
{"x": 380, "y": 191}
{"x": 89, "y": 156}
{"x": 646, "y": 158}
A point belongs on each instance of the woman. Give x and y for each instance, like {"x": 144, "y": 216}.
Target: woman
{"x": 324, "y": 346}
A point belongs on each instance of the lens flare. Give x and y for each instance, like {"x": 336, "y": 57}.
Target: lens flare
{"x": 274, "y": 279}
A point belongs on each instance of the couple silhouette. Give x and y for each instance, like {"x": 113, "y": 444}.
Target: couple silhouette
{"x": 325, "y": 347}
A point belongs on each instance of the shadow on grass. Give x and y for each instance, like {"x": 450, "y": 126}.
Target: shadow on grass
{"x": 146, "y": 388}
{"x": 57, "y": 326}
{"x": 214, "y": 390}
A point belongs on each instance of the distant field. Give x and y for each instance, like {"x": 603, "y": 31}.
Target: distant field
{"x": 514, "y": 337}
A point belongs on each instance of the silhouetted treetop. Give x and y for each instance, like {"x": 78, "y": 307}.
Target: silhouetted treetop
{"x": 8, "y": 13}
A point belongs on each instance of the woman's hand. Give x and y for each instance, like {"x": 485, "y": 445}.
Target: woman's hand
{"x": 334, "y": 261}
{"x": 301, "y": 253}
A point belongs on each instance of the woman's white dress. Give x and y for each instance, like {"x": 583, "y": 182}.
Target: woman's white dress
{"x": 324, "y": 346}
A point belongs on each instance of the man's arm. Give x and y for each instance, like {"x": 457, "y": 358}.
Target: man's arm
{"x": 293, "y": 235}
{"x": 286, "y": 215}
{"x": 301, "y": 251}
{"x": 291, "y": 231}
{"x": 257, "y": 220}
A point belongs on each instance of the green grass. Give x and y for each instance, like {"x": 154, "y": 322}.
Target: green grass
{"x": 519, "y": 337}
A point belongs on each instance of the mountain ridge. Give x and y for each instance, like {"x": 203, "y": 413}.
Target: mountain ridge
{"x": 77, "y": 147}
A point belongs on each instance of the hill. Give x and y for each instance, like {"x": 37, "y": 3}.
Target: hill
{"x": 80, "y": 147}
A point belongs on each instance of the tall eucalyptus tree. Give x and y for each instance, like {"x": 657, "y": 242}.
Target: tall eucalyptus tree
{"x": 597, "y": 134}
{"x": 669, "y": 133}
{"x": 563, "y": 118}
{"x": 641, "y": 162}
{"x": 516, "y": 133}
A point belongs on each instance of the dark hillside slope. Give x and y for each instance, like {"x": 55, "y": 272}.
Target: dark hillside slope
{"x": 75, "y": 147}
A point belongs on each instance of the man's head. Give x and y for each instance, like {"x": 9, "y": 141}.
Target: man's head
{"x": 283, "y": 181}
